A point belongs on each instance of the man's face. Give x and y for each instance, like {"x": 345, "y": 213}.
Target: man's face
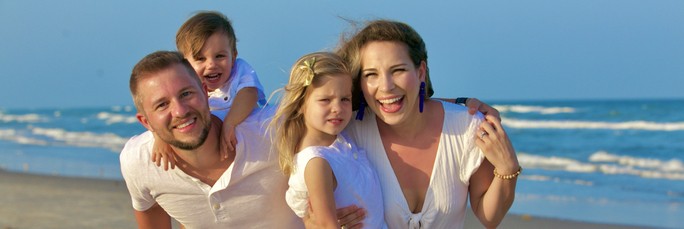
{"x": 174, "y": 107}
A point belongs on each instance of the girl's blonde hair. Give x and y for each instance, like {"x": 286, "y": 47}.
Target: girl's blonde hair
{"x": 287, "y": 127}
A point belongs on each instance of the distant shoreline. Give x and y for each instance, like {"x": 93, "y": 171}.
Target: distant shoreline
{"x": 440, "y": 95}
{"x": 567, "y": 100}
{"x": 44, "y": 201}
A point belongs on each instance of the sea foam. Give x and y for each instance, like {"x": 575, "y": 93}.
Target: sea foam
{"x": 111, "y": 118}
{"x": 533, "y": 109}
{"x": 672, "y": 165}
{"x": 609, "y": 164}
{"x": 13, "y": 136}
{"x": 570, "y": 124}
{"x": 109, "y": 141}
{"x": 25, "y": 118}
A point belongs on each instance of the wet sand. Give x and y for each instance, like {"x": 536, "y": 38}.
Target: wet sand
{"x": 38, "y": 201}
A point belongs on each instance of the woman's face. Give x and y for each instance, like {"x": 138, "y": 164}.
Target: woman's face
{"x": 390, "y": 81}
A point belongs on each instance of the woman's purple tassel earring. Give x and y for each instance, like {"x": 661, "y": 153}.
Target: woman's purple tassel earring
{"x": 362, "y": 107}
{"x": 422, "y": 96}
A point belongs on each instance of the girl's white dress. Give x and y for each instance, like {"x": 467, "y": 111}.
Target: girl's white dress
{"x": 357, "y": 182}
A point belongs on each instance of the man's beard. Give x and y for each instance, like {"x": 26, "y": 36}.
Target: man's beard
{"x": 191, "y": 145}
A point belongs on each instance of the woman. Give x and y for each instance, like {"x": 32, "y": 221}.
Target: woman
{"x": 430, "y": 155}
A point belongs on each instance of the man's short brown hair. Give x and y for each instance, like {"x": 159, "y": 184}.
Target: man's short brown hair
{"x": 154, "y": 63}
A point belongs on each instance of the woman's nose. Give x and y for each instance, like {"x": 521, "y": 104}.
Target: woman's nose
{"x": 386, "y": 82}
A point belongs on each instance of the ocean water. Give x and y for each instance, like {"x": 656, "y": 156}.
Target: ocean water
{"x": 600, "y": 161}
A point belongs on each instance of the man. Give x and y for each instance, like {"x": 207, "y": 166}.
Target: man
{"x": 244, "y": 190}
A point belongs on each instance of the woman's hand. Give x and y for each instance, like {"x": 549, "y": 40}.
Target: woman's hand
{"x": 496, "y": 145}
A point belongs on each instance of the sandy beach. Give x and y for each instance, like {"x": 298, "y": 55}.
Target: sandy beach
{"x": 37, "y": 201}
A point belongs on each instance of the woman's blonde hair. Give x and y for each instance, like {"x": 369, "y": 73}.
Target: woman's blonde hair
{"x": 287, "y": 127}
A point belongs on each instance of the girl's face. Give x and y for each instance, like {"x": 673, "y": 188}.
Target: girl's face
{"x": 327, "y": 108}
{"x": 390, "y": 81}
{"x": 214, "y": 61}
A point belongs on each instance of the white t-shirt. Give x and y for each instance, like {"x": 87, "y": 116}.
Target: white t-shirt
{"x": 457, "y": 159}
{"x": 357, "y": 182}
{"x": 242, "y": 75}
{"x": 249, "y": 194}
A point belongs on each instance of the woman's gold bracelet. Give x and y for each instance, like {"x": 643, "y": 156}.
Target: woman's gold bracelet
{"x": 509, "y": 176}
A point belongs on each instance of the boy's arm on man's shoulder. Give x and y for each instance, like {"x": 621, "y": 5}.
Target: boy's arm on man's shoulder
{"x": 154, "y": 217}
{"x": 243, "y": 104}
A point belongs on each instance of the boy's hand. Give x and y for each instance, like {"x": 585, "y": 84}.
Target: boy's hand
{"x": 162, "y": 153}
{"x": 474, "y": 105}
{"x": 229, "y": 141}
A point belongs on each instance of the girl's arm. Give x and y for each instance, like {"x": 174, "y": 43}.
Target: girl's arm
{"x": 320, "y": 182}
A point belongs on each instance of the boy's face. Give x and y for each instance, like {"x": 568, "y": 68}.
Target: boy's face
{"x": 214, "y": 61}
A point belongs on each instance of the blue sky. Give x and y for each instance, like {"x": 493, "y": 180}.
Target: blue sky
{"x": 78, "y": 53}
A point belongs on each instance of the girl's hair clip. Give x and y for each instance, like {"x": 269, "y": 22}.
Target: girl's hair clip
{"x": 308, "y": 66}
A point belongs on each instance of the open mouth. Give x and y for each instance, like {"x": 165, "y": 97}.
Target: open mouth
{"x": 186, "y": 124}
{"x": 212, "y": 77}
{"x": 391, "y": 105}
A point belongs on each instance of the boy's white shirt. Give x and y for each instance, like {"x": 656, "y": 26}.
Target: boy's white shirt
{"x": 241, "y": 76}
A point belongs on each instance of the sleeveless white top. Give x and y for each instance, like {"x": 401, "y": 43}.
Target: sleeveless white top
{"x": 357, "y": 182}
{"x": 457, "y": 159}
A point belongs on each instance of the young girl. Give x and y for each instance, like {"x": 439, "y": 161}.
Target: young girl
{"x": 326, "y": 169}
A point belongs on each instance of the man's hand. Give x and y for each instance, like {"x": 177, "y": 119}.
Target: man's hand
{"x": 474, "y": 105}
{"x": 350, "y": 217}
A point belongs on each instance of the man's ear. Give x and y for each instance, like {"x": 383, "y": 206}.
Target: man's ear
{"x": 205, "y": 89}
{"x": 143, "y": 120}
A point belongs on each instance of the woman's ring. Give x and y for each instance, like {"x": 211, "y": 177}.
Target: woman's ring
{"x": 343, "y": 226}
{"x": 483, "y": 134}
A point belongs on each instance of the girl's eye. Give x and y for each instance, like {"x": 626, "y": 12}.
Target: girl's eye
{"x": 200, "y": 59}
{"x": 220, "y": 56}
{"x": 346, "y": 99}
{"x": 369, "y": 74}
